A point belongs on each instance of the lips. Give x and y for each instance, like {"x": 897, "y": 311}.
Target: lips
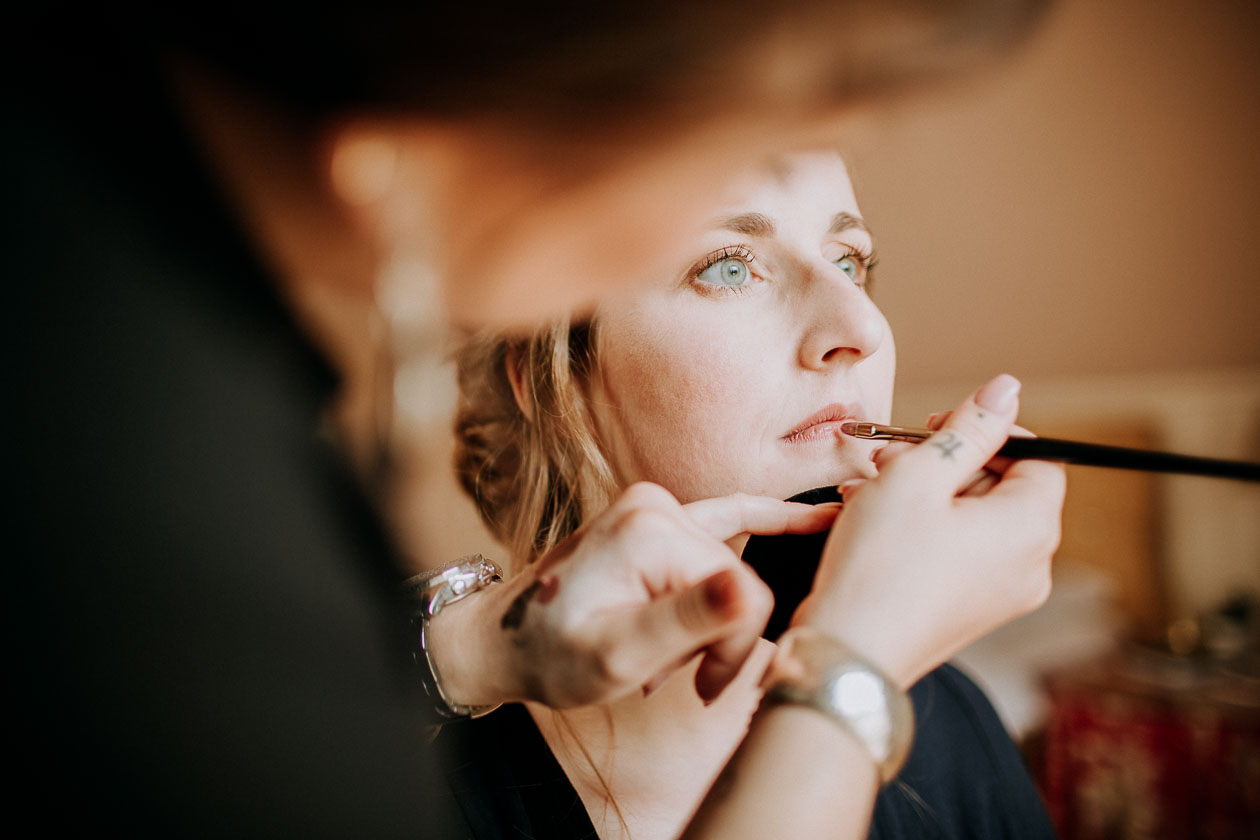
{"x": 824, "y": 424}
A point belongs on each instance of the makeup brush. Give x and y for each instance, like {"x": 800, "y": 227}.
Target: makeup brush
{"x": 1075, "y": 452}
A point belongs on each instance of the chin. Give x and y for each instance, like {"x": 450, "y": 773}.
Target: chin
{"x": 816, "y": 478}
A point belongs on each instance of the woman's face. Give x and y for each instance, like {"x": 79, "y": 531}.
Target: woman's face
{"x": 733, "y": 374}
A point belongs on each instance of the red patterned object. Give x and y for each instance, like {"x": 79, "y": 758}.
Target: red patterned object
{"x": 1148, "y": 745}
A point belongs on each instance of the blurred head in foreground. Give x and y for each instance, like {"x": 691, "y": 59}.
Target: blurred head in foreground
{"x": 538, "y": 144}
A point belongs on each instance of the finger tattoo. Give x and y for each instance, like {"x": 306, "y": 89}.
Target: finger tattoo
{"x": 948, "y": 443}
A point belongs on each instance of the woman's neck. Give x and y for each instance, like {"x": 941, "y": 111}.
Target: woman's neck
{"x": 642, "y": 764}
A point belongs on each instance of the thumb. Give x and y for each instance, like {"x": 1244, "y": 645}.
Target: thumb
{"x": 970, "y": 437}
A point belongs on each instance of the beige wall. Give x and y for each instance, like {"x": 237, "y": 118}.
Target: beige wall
{"x": 1090, "y": 207}
{"x": 1086, "y": 217}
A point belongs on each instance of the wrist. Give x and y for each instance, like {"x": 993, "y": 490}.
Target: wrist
{"x": 819, "y": 672}
{"x": 879, "y": 642}
{"x": 451, "y": 654}
{"x": 478, "y": 663}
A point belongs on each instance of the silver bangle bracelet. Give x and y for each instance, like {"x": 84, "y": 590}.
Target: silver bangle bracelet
{"x": 812, "y": 669}
{"x": 432, "y": 591}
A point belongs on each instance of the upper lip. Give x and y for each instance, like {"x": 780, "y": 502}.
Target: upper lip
{"x": 827, "y": 414}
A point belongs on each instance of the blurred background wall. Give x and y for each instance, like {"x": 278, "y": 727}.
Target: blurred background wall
{"x": 1085, "y": 218}
{"x": 1089, "y": 208}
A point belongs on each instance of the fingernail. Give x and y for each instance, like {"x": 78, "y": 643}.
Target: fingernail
{"x": 719, "y": 591}
{"x": 650, "y": 687}
{"x": 999, "y": 394}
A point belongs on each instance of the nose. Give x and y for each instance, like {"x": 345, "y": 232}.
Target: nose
{"x": 842, "y": 324}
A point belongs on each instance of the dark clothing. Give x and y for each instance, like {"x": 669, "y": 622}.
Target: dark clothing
{"x": 964, "y": 779}
{"x": 199, "y": 603}
{"x": 787, "y": 563}
{"x": 508, "y": 784}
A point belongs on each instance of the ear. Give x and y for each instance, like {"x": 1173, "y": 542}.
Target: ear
{"x": 513, "y": 360}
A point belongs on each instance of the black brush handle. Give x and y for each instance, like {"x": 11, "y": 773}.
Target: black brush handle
{"x": 1119, "y": 457}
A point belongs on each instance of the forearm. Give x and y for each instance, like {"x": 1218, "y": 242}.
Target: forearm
{"x": 797, "y": 774}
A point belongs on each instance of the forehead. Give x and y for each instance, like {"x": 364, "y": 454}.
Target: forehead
{"x": 804, "y": 189}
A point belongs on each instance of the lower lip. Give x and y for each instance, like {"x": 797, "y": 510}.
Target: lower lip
{"x": 825, "y": 432}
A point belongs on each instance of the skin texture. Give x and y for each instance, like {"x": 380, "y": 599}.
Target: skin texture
{"x": 639, "y": 590}
{"x": 700, "y": 386}
{"x": 703, "y": 389}
{"x": 699, "y": 389}
{"x": 923, "y": 561}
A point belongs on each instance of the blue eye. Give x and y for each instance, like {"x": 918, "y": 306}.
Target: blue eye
{"x": 851, "y": 266}
{"x": 731, "y": 271}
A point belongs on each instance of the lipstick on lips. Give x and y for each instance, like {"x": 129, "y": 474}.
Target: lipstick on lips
{"x": 824, "y": 424}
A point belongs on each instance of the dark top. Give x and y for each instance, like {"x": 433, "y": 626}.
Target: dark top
{"x": 964, "y": 779}
{"x": 202, "y": 639}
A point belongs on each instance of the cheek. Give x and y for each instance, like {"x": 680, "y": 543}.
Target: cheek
{"x": 881, "y": 376}
{"x": 681, "y": 397}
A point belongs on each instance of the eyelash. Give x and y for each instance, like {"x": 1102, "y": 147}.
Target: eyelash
{"x": 868, "y": 259}
{"x": 740, "y": 252}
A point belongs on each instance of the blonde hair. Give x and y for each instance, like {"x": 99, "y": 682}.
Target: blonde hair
{"x": 536, "y": 476}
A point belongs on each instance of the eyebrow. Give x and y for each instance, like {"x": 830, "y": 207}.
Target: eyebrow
{"x": 759, "y": 224}
{"x": 846, "y": 221}
{"x": 749, "y": 224}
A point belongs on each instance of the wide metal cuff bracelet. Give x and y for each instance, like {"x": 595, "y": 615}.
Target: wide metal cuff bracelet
{"x": 815, "y": 670}
{"x": 432, "y": 591}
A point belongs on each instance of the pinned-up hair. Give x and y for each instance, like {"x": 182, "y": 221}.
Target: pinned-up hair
{"x": 535, "y": 478}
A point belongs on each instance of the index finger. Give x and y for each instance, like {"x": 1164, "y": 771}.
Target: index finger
{"x": 741, "y": 513}
{"x": 969, "y": 438}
